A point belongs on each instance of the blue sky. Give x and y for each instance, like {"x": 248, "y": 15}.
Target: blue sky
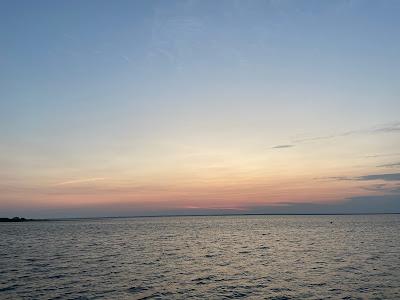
{"x": 185, "y": 98}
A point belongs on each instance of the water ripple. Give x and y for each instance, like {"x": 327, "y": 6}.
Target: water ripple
{"x": 246, "y": 257}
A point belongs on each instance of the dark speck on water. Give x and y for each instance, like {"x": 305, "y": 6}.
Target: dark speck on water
{"x": 229, "y": 257}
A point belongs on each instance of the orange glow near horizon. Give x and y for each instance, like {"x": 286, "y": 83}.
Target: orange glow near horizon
{"x": 244, "y": 189}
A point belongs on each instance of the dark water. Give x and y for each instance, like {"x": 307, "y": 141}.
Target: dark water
{"x": 254, "y": 257}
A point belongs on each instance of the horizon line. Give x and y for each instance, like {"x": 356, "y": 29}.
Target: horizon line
{"x": 207, "y": 215}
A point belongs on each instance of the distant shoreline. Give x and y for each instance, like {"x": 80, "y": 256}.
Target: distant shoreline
{"x": 18, "y": 219}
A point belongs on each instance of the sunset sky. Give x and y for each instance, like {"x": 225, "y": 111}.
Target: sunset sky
{"x": 118, "y": 108}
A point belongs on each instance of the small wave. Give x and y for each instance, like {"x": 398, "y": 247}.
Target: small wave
{"x": 137, "y": 289}
{"x": 204, "y": 280}
{"x": 210, "y": 255}
{"x": 9, "y": 288}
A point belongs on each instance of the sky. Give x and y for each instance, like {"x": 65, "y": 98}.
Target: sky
{"x": 123, "y": 108}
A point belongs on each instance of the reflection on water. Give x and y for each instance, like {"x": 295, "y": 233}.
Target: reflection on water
{"x": 254, "y": 257}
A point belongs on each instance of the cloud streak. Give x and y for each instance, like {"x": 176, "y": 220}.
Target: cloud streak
{"x": 384, "y": 177}
{"x": 384, "y": 128}
{"x": 282, "y": 146}
{"x": 383, "y": 155}
{"x": 369, "y": 177}
{"x": 77, "y": 181}
{"x": 391, "y": 165}
{"x": 386, "y": 188}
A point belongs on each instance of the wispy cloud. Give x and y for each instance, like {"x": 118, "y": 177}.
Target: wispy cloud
{"x": 375, "y": 187}
{"x": 383, "y": 155}
{"x": 282, "y": 146}
{"x": 393, "y": 127}
{"x": 384, "y": 177}
{"x": 126, "y": 58}
{"x": 369, "y": 177}
{"x": 390, "y": 165}
{"x": 383, "y": 187}
{"x": 77, "y": 181}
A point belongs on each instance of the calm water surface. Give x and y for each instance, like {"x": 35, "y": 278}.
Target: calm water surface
{"x": 254, "y": 257}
